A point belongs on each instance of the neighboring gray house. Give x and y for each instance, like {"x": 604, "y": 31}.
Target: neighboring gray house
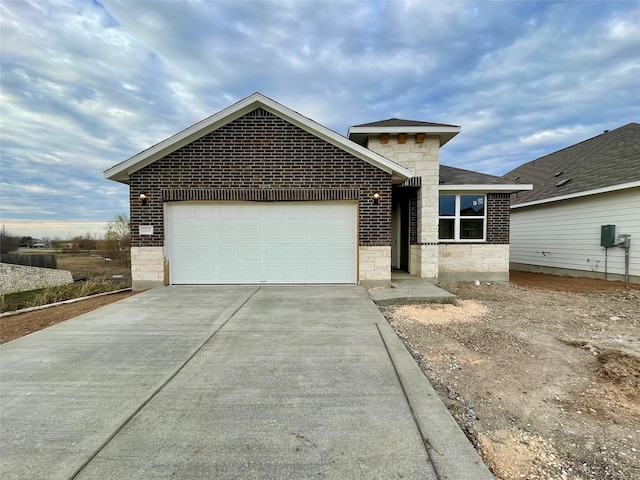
{"x": 258, "y": 193}
{"x": 557, "y": 227}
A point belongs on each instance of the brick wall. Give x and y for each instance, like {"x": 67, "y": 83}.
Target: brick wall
{"x": 252, "y": 154}
{"x": 498, "y": 218}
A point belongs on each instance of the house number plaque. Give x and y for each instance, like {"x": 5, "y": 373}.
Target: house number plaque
{"x": 145, "y": 229}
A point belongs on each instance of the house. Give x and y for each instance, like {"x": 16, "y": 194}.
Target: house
{"x": 585, "y": 199}
{"x": 259, "y": 193}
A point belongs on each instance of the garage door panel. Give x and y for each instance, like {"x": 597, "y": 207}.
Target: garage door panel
{"x": 276, "y": 232}
{"x": 183, "y": 253}
{"x": 250, "y": 273}
{"x": 204, "y": 253}
{"x": 342, "y": 253}
{"x": 229, "y": 232}
{"x": 204, "y": 211}
{"x": 321, "y": 232}
{"x": 228, "y": 253}
{"x": 275, "y": 253}
{"x": 250, "y": 212}
{"x": 292, "y": 242}
{"x": 249, "y": 232}
{"x": 298, "y": 252}
{"x": 204, "y": 232}
{"x": 251, "y": 252}
{"x": 322, "y": 252}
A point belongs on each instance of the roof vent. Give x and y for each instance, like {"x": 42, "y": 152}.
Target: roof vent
{"x": 606, "y": 131}
{"x": 517, "y": 178}
{"x": 558, "y": 174}
{"x": 562, "y": 182}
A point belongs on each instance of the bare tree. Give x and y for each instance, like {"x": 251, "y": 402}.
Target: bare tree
{"x": 116, "y": 244}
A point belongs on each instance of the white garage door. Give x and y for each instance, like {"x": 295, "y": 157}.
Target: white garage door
{"x": 288, "y": 242}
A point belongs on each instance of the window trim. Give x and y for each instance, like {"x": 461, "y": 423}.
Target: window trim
{"x": 457, "y": 218}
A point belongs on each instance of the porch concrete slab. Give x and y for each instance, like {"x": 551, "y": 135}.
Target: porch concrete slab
{"x": 262, "y": 382}
{"x": 407, "y": 288}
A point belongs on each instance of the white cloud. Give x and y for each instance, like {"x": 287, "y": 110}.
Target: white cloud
{"x": 86, "y": 85}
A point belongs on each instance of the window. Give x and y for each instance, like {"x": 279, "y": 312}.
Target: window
{"x": 462, "y": 217}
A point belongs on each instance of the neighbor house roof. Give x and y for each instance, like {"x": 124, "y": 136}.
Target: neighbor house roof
{"x": 121, "y": 171}
{"x": 360, "y": 133}
{"x": 458, "y": 179}
{"x": 607, "y": 162}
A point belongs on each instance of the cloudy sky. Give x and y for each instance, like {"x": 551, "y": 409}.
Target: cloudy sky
{"x": 87, "y": 84}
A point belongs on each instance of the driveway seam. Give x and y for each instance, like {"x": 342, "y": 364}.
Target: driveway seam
{"x": 159, "y": 389}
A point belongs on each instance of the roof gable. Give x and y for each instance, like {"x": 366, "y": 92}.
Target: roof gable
{"x": 121, "y": 171}
{"x": 606, "y": 162}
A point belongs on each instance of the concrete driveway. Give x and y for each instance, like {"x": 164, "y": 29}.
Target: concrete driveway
{"x": 225, "y": 382}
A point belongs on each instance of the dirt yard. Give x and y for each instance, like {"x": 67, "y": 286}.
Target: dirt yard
{"x": 542, "y": 373}
{"x": 83, "y": 265}
{"x": 16, "y": 326}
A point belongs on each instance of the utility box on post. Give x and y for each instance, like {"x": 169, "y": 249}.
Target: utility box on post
{"x": 608, "y": 236}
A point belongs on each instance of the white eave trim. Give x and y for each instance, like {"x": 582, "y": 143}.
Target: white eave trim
{"x": 485, "y": 188}
{"x": 121, "y": 171}
{"x": 586, "y": 193}
{"x": 406, "y": 129}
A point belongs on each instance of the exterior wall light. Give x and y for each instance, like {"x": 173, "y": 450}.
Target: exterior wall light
{"x": 144, "y": 198}
{"x": 376, "y": 197}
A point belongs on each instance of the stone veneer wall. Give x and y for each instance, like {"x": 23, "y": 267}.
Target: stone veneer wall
{"x": 22, "y": 278}
{"x": 423, "y": 159}
{"x": 261, "y": 157}
{"x": 468, "y": 262}
{"x": 147, "y": 267}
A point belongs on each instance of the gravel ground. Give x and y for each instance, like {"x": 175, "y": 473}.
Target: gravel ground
{"x": 543, "y": 373}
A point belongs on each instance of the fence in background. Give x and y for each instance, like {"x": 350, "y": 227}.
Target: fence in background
{"x": 36, "y": 260}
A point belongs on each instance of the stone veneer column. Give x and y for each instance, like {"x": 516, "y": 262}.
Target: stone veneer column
{"x": 423, "y": 158}
{"x": 147, "y": 267}
{"x": 374, "y": 264}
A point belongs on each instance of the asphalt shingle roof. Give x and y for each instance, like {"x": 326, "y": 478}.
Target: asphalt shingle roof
{"x": 399, "y": 122}
{"x": 459, "y": 176}
{"x": 612, "y": 158}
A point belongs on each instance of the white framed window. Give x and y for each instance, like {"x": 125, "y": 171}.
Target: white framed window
{"x": 463, "y": 217}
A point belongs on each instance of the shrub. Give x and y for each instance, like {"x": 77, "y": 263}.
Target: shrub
{"x": 49, "y": 295}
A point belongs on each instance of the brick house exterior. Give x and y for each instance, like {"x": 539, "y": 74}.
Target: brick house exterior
{"x": 260, "y": 151}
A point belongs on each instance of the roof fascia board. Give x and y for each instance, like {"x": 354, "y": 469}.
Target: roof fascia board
{"x": 586, "y": 193}
{"x": 406, "y": 129}
{"x": 122, "y": 171}
{"x": 485, "y": 188}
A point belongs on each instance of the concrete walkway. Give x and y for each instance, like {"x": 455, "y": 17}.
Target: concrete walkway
{"x": 225, "y": 382}
{"x": 407, "y": 288}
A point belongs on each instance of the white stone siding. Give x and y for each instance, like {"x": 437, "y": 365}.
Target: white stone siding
{"x": 414, "y": 156}
{"x": 473, "y": 262}
{"x": 22, "y": 278}
{"x": 429, "y": 262}
{"x": 424, "y": 160}
{"x": 414, "y": 260}
{"x": 374, "y": 263}
{"x": 147, "y": 267}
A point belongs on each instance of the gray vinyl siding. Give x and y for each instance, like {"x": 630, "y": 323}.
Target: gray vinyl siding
{"x": 566, "y": 234}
